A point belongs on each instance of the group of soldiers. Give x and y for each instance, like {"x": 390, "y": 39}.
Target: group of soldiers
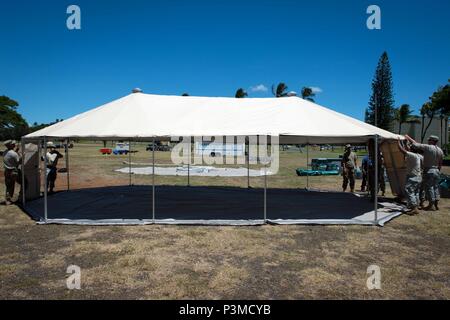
{"x": 423, "y": 166}
{"x": 12, "y": 164}
{"x": 423, "y": 163}
{"x": 349, "y": 165}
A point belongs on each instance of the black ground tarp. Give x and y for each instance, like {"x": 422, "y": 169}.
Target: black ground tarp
{"x": 191, "y": 204}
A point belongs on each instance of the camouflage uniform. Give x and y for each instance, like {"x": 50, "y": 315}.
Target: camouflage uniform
{"x": 52, "y": 161}
{"x": 11, "y": 161}
{"x": 431, "y": 183}
{"x": 432, "y": 156}
{"x": 348, "y": 169}
{"x": 413, "y": 179}
{"x": 365, "y": 172}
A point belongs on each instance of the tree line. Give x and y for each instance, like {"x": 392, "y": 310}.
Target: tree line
{"x": 381, "y": 111}
{"x": 279, "y": 91}
{"x": 12, "y": 123}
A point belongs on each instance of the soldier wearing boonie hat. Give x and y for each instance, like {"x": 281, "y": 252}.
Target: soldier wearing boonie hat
{"x": 432, "y": 163}
{"x": 11, "y": 162}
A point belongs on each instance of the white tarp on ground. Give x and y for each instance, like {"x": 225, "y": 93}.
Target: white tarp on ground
{"x": 140, "y": 115}
{"x": 201, "y": 171}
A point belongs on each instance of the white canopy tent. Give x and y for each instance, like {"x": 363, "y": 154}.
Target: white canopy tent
{"x": 140, "y": 116}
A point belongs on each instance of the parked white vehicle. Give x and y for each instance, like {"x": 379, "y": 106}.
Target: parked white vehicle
{"x": 121, "y": 148}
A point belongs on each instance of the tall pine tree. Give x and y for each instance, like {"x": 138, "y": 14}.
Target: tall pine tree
{"x": 381, "y": 111}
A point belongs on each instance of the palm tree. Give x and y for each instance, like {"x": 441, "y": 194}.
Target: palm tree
{"x": 427, "y": 110}
{"x": 422, "y": 114}
{"x": 241, "y": 93}
{"x": 403, "y": 113}
{"x": 281, "y": 90}
{"x": 308, "y": 94}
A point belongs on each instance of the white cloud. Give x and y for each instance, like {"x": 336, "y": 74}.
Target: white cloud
{"x": 316, "y": 89}
{"x": 259, "y": 88}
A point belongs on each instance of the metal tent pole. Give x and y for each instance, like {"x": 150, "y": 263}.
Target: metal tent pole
{"x": 265, "y": 193}
{"x": 40, "y": 164}
{"x": 265, "y": 182}
{"x": 153, "y": 181}
{"x": 376, "y": 180}
{"x": 307, "y": 166}
{"x": 189, "y": 163}
{"x": 45, "y": 179}
{"x": 129, "y": 162}
{"x": 67, "y": 164}
{"x": 23, "y": 171}
{"x": 248, "y": 163}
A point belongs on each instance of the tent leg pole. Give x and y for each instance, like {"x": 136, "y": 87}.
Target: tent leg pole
{"x": 67, "y": 164}
{"x": 248, "y": 163}
{"x": 189, "y": 163}
{"x": 23, "y": 172}
{"x": 376, "y": 181}
{"x": 307, "y": 166}
{"x": 40, "y": 165}
{"x": 129, "y": 163}
{"x": 45, "y": 179}
{"x": 265, "y": 193}
{"x": 153, "y": 181}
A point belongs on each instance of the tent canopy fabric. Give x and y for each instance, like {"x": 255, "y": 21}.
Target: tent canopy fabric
{"x": 140, "y": 116}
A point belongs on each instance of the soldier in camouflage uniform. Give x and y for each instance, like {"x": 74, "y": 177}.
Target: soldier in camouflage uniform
{"x": 413, "y": 177}
{"x": 11, "y": 162}
{"x": 432, "y": 163}
{"x": 349, "y": 164}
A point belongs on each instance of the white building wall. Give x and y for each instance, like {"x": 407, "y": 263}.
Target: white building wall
{"x": 413, "y": 129}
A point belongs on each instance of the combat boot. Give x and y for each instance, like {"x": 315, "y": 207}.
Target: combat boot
{"x": 436, "y": 204}
{"x": 421, "y": 207}
{"x": 430, "y": 207}
{"x": 413, "y": 211}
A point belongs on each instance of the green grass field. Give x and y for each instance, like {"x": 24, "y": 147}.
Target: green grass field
{"x": 90, "y": 168}
{"x": 205, "y": 262}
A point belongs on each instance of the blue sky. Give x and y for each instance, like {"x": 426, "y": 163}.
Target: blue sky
{"x": 211, "y": 48}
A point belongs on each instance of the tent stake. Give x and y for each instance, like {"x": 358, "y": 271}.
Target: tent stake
{"x": 153, "y": 180}
{"x": 45, "y": 178}
{"x": 23, "y": 171}
{"x": 67, "y": 164}
{"x": 376, "y": 180}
